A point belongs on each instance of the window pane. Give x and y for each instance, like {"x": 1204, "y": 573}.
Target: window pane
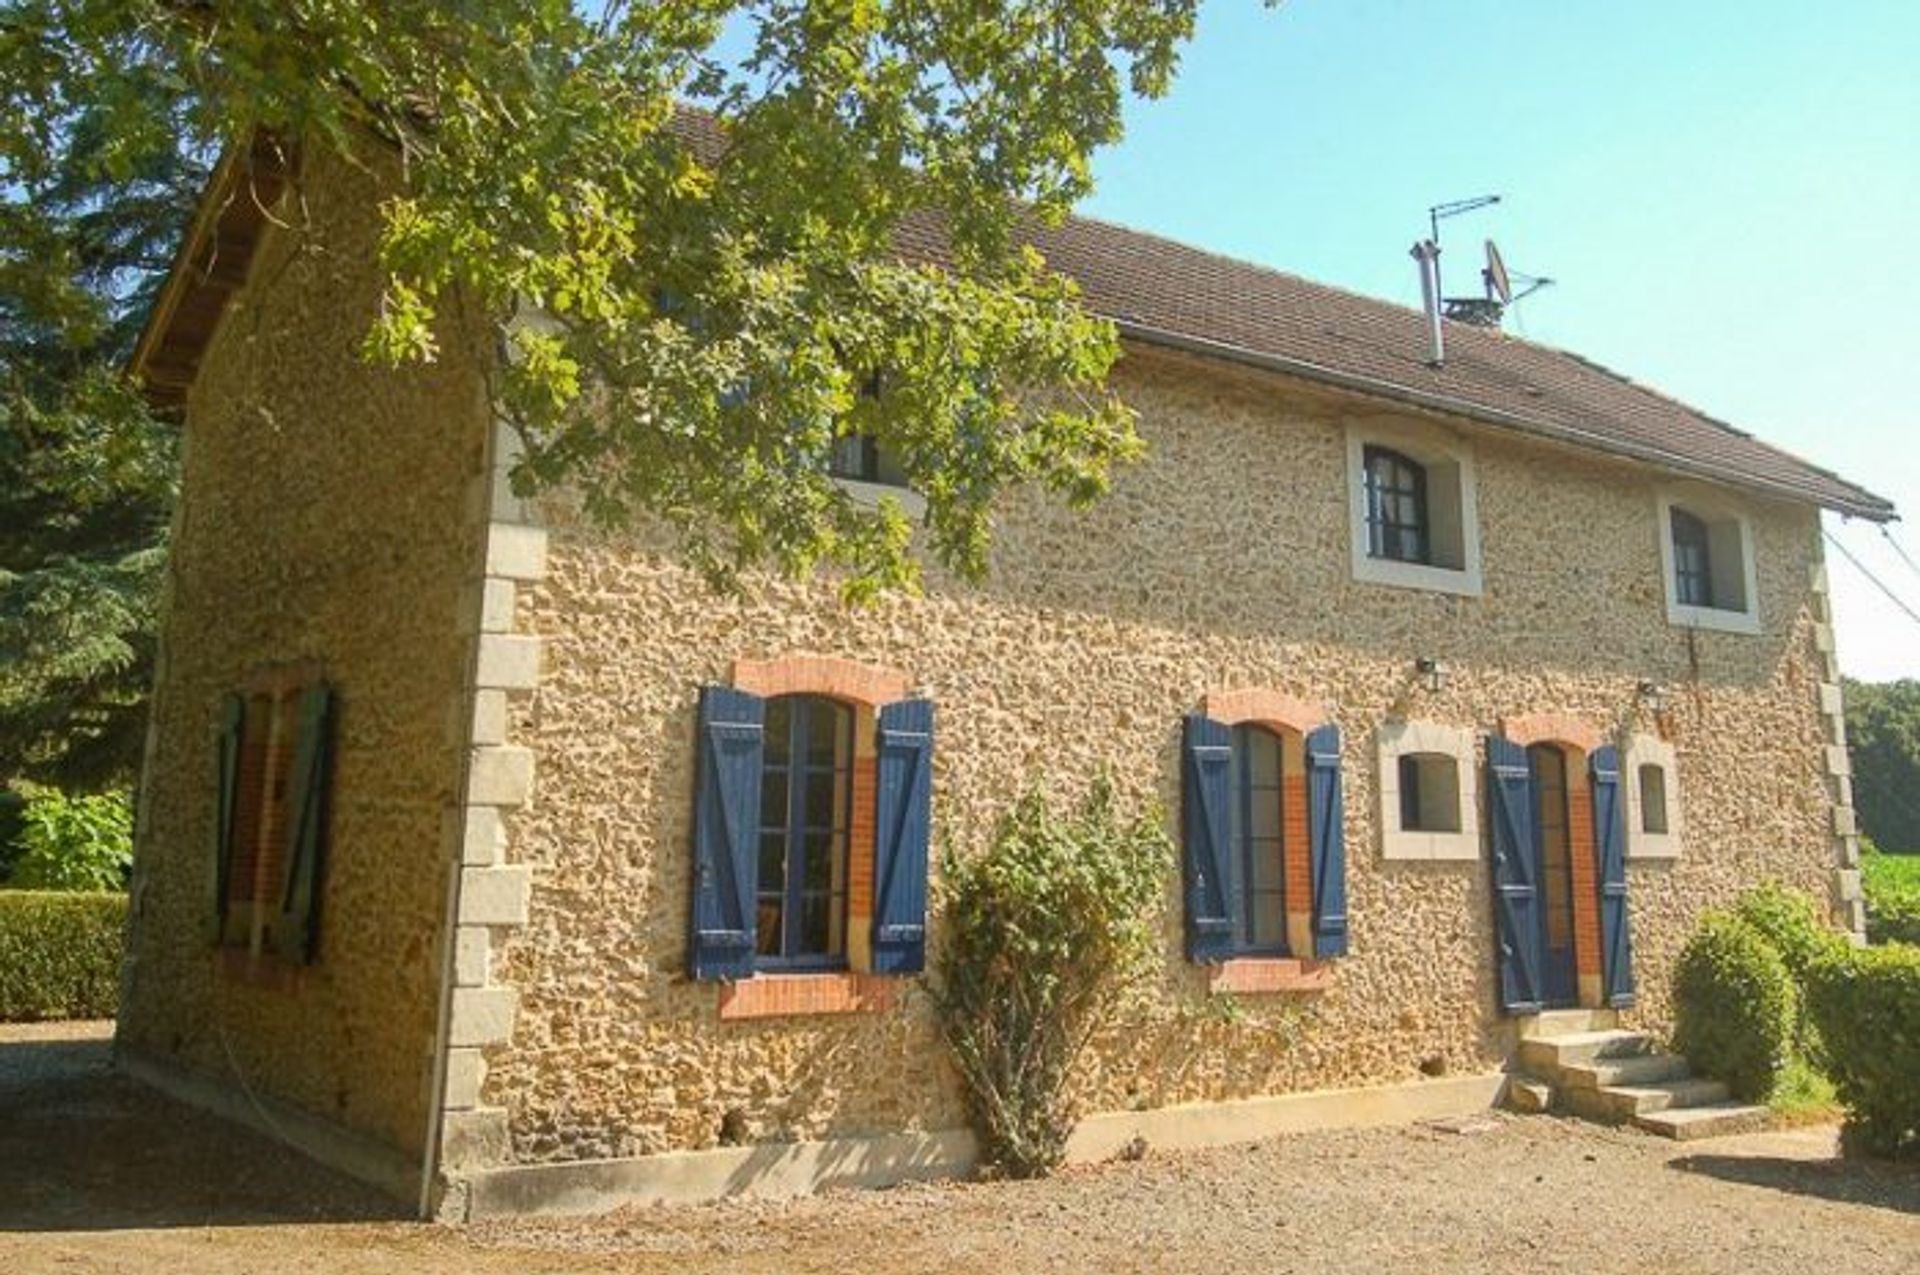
{"x": 1653, "y": 799}
{"x": 778, "y": 724}
{"x": 1265, "y": 866}
{"x": 767, "y": 941}
{"x": 815, "y": 936}
{"x": 1263, "y": 757}
{"x": 773, "y": 861}
{"x": 1269, "y": 920}
{"x": 820, "y": 790}
{"x": 819, "y": 872}
{"x": 827, "y": 733}
{"x": 773, "y": 800}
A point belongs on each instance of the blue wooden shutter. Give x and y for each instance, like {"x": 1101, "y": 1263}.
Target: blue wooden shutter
{"x": 1327, "y": 842}
{"x": 726, "y": 833}
{"x": 1610, "y": 842}
{"x": 233, "y": 718}
{"x": 1516, "y": 893}
{"x": 296, "y": 926}
{"x": 1207, "y": 798}
{"x": 903, "y": 822}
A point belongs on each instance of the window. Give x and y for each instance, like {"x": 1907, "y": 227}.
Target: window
{"x": 1413, "y": 508}
{"x": 805, "y": 820}
{"x": 274, "y": 771}
{"x": 1259, "y": 839}
{"x": 1653, "y": 799}
{"x": 1429, "y": 793}
{"x": 1651, "y": 775}
{"x": 1396, "y": 506}
{"x": 860, "y": 458}
{"x": 1707, "y": 551}
{"x": 1692, "y": 560}
{"x": 1264, "y": 854}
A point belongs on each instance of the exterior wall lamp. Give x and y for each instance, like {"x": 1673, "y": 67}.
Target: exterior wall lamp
{"x": 1652, "y": 696}
{"x": 1432, "y": 673}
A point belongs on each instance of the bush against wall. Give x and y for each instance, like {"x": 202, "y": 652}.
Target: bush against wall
{"x": 73, "y": 843}
{"x": 1790, "y": 923}
{"x": 1867, "y": 1005}
{"x": 60, "y": 954}
{"x": 1735, "y": 1009}
{"x": 1043, "y": 935}
{"x": 1893, "y": 896}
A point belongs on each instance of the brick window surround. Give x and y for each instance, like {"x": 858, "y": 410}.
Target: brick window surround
{"x": 866, "y": 688}
{"x": 1576, "y": 738}
{"x": 1292, "y": 719}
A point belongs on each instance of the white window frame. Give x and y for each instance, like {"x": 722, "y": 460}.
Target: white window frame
{"x": 1650, "y": 750}
{"x": 1712, "y": 509}
{"x": 1444, "y": 454}
{"x": 1394, "y": 740}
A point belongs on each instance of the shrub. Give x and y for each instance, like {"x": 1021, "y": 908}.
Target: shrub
{"x": 1043, "y": 934}
{"x": 1734, "y": 1006}
{"x": 1790, "y": 922}
{"x": 1893, "y": 897}
{"x": 1867, "y": 1004}
{"x": 74, "y": 843}
{"x": 60, "y": 954}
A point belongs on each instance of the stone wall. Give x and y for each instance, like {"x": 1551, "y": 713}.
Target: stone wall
{"x": 325, "y": 518}
{"x": 1220, "y": 563}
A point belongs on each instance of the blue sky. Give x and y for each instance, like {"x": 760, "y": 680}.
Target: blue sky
{"x": 1726, "y": 192}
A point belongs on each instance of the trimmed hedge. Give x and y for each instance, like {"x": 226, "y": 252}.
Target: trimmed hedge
{"x": 1734, "y": 1006}
{"x": 1790, "y": 922}
{"x": 1867, "y": 1006}
{"x": 60, "y": 954}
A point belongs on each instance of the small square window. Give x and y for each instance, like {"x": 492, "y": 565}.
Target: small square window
{"x": 1653, "y": 799}
{"x": 1429, "y": 793}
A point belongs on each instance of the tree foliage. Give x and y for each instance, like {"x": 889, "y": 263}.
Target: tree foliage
{"x": 86, "y": 473}
{"x": 74, "y": 843}
{"x": 1883, "y": 735}
{"x": 690, "y": 309}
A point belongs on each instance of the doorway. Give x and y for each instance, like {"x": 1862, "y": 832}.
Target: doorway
{"x": 1553, "y": 841}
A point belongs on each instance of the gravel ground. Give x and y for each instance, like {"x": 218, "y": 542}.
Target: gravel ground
{"x": 99, "y": 1175}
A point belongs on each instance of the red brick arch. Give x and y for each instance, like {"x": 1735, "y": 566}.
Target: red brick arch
{"x": 1265, "y": 707}
{"x": 870, "y": 684}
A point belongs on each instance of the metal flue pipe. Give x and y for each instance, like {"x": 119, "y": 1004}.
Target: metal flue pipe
{"x": 1427, "y": 253}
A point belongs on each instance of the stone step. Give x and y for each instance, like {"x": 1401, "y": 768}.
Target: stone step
{"x": 1566, "y": 1022}
{"x": 1645, "y": 1069}
{"x": 1716, "y": 1120}
{"x": 1550, "y": 1053}
{"x": 1615, "y": 1104}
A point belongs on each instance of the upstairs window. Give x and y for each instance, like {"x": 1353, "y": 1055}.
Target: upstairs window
{"x": 1396, "y": 488}
{"x": 805, "y": 817}
{"x": 860, "y": 458}
{"x": 1706, "y": 549}
{"x": 1692, "y": 560}
{"x": 1413, "y": 507}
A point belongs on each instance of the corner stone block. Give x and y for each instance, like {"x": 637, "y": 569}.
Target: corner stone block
{"x": 1847, "y": 882}
{"x": 474, "y": 1139}
{"x": 483, "y": 836}
{"x": 482, "y": 1016}
{"x": 507, "y": 662}
{"x": 495, "y": 896}
{"x": 516, "y": 552}
{"x": 500, "y": 776}
{"x": 472, "y": 955}
{"x": 489, "y": 724}
{"x": 466, "y": 1072}
{"x": 1838, "y": 762}
{"x": 496, "y": 605}
{"x": 1845, "y": 823}
{"x": 1830, "y": 702}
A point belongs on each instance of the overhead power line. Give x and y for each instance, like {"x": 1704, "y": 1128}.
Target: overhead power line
{"x": 1879, "y": 584}
{"x": 1904, "y": 557}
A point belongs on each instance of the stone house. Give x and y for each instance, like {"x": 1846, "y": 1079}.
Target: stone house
{"x": 500, "y": 861}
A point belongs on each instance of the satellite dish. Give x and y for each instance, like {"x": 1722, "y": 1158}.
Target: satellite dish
{"x": 1499, "y": 284}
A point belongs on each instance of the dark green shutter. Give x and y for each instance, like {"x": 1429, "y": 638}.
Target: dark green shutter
{"x": 233, "y": 718}
{"x": 902, "y": 826}
{"x": 1206, "y": 801}
{"x": 1610, "y": 842}
{"x": 296, "y": 928}
{"x": 1516, "y": 893}
{"x": 726, "y": 833}
{"x": 1327, "y": 842}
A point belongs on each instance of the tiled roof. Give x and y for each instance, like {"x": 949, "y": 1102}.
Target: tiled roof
{"x": 1165, "y": 293}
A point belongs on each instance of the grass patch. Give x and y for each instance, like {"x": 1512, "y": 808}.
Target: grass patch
{"x": 1803, "y": 1095}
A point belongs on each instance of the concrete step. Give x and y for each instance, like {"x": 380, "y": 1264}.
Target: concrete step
{"x": 1716, "y": 1120}
{"x": 1567, "y": 1022}
{"x": 1615, "y": 1104}
{"x": 1547, "y": 1054}
{"x": 1645, "y": 1069}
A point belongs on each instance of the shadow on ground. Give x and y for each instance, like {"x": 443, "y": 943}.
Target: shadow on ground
{"x": 84, "y": 1149}
{"x": 1874, "y": 1183}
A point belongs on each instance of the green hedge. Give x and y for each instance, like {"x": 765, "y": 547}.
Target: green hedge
{"x": 1735, "y": 1009}
{"x": 60, "y": 954}
{"x": 1867, "y": 1006}
{"x": 1790, "y": 922}
{"x": 1893, "y": 897}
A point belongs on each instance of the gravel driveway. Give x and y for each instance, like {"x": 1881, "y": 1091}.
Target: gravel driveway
{"x": 99, "y": 1175}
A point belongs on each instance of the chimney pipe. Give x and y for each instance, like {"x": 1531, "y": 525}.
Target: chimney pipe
{"x": 1427, "y": 253}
